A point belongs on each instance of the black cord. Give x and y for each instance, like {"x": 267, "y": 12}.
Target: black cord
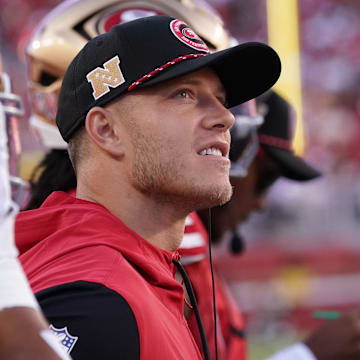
{"x": 193, "y": 301}
{"x": 213, "y": 285}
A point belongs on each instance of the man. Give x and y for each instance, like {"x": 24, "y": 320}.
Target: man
{"x": 55, "y": 42}
{"x": 145, "y": 111}
{"x": 67, "y": 27}
{"x": 23, "y": 330}
{"x": 274, "y": 159}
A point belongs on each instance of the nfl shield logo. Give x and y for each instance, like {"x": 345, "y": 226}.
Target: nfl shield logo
{"x": 66, "y": 340}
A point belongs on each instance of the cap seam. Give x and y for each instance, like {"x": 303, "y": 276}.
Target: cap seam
{"x": 160, "y": 68}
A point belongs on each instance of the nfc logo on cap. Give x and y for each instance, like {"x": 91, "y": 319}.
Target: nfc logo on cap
{"x": 101, "y": 79}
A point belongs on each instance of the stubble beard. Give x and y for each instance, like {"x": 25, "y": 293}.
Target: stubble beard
{"x": 156, "y": 175}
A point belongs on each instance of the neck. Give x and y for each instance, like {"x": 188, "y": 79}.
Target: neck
{"x": 157, "y": 222}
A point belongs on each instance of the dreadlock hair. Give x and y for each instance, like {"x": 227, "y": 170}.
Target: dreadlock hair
{"x": 53, "y": 173}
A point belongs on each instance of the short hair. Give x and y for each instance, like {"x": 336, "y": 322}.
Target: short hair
{"x": 77, "y": 147}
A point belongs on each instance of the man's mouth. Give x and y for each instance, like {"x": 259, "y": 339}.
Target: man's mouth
{"x": 211, "y": 151}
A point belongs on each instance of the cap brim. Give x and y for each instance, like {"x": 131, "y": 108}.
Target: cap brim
{"x": 246, "y": 71}
{"x": 291, "y": 166}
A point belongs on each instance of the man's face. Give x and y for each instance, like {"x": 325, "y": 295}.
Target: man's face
{"x": 179, "y": 140}
{"x": 249, "y": 193}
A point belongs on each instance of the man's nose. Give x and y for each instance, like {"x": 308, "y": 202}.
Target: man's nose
{"x": 219, "y": 117}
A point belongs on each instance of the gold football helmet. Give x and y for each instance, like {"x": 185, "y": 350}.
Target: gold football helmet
{"x": 66, "y": 29}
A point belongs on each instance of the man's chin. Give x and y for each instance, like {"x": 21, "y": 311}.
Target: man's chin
{"x": 213, "y": 197}
{"x": 194, "y": 197}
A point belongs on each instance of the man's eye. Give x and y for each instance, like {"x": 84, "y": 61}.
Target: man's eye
{"x": 186, "y": 94}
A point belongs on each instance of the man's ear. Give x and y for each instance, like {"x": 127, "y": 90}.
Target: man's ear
{"x": 99, "y": 124}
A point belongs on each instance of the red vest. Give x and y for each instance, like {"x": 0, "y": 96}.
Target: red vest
{"x": 68, "y": 240}
{"x": 230, "y": 321}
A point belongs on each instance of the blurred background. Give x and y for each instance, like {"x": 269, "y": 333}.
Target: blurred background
{"x": 303, "y": 252}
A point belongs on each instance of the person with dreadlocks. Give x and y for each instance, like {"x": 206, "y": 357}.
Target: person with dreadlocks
{"x": 274, "y": 158}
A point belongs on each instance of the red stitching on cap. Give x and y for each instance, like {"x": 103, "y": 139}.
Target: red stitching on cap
{"x": 274, "y": 141}
{"x": 161, "y": 68}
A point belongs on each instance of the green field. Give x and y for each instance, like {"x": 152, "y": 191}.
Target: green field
{"x": 260, "y": 347}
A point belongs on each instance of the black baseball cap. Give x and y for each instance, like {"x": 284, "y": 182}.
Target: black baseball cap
{"x": 149, "y": 51}
{"x": 276, "y": 134}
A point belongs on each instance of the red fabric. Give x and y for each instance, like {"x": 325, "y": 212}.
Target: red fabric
{"x": 194, "y": 244}
{"x": 230, "y": 346}
{"x": 275, "y": 141}
{"x": 68, "y": 240}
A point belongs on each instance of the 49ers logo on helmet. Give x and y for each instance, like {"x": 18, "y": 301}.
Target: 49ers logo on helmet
{"x": 185, "y": 34}
{"x": 120, "y": 16}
